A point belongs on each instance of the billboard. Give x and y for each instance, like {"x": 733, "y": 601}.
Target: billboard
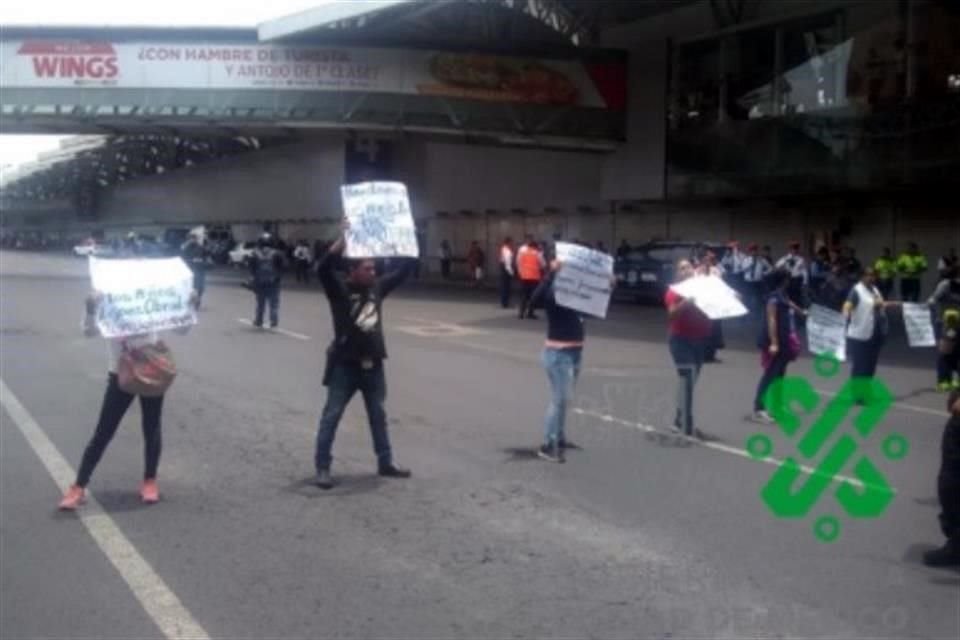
{"x": 170, "y": 65}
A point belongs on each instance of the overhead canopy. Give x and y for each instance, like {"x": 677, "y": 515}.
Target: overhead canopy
{"x": 510, "y": 23}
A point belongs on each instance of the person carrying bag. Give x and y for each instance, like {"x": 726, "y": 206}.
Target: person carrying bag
{"x": 139, "y": 365}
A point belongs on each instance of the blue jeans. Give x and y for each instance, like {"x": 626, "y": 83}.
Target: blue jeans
{"x": 346, "y": 378}
{"x": 688, "y": 358}
{"x": 266, "y": 295}
{"x": 563, "y": 368}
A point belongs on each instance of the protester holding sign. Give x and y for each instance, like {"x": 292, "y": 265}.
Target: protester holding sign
{"x": 138, "y": 364}
{"x": 867, "y": 324}
{"x": 585, "y": 284}
{"x": 355, "y": 358}
{"x": 562, "y": 354}
{"x": 563, "y": 349}
{"x": 689, "y": 329}
{"x": 778, "y": 342}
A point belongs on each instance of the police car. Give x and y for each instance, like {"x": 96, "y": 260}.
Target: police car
{"x": 646, "y": 271}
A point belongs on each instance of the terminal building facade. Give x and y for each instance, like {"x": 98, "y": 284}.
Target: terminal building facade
{"x": 820, "y": 121}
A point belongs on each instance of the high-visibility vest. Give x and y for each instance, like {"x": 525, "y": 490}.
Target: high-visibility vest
{"x": 528, "y": 263}
{"x": 911, "y": 266}
{"x": 886, "y": 268}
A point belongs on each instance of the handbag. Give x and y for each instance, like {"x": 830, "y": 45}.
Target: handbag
{"x": 793, "y": 346}
{"x": 146, "y": 371}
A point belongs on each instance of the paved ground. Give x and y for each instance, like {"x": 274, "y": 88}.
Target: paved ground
{"x": 637, "y": 536}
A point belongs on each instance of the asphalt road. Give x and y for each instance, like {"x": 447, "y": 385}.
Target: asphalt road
{"x": 638, "y": 535}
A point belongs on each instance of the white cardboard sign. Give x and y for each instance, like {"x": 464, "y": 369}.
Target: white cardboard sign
{"x": 583, "y": 283}
{"x": 712, "y": 296}
{"x": 916, "y": 320}
{"x": 381, "y": 223}
{"x": 142, "y": 296}
{"x": 826, "y": 332}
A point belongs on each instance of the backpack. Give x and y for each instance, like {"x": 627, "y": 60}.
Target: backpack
{"x": 266, "y": 273}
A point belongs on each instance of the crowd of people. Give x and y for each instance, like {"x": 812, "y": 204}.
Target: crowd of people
{"x": 778, "y": 292}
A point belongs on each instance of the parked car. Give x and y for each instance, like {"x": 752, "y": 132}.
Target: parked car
{"x": 647, "y": 271}
{"x": 91, "y": 247}
{"x": 241, "y": 254}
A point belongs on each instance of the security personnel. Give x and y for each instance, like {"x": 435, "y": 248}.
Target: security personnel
{"x": 530, "y": 266}
{"x": 886, "y": 268}
{"x": 911, "y": 265}
{"x": 799, "y": 275}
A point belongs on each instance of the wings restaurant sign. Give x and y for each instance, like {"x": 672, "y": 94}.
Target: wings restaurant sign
{"x": 167, "y": 65}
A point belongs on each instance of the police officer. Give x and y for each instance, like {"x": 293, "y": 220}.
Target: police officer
{"x": 911, "y": 265}
{"x": 886, "y": 268}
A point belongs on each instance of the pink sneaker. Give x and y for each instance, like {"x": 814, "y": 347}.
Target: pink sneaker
{"x": 149, "y": 492}
{"x": 73, "y": 498}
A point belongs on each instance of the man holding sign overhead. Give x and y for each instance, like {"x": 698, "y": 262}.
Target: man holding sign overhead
{"x": 580, "y": 281}
{"x": 355, "y": 359}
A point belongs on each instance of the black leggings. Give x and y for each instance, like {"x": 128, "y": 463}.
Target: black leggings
{"x": 115, "y": 405}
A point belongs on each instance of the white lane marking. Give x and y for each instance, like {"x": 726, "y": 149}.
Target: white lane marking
{"x": 433, "y": 328}
{"x": 716, "y": 446}
{"x": 626, "y": 373}
{"x": 901, "y": 405}
{"x": 157, "y": 599}
{"x": 290, "y": 334}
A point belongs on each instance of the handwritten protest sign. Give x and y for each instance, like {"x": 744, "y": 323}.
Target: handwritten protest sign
{"x": 381, "y": 224}
{"x": 583, "y": 284}
{"x": 141, "y": 296}
{"x": 826, "y": 332}
{"x": 712, "y": 296}
{"x": 916, "y": 319}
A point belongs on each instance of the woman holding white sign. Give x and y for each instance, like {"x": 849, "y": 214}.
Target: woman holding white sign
{"x": 562, "y": 354}
{"x": 689, "y": 330}
{"x": 867, "y": 325}
{"x": 138, "y": 365}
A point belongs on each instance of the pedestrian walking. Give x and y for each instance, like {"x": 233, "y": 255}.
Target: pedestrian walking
{"x": 948, "y": 490}
{"x": 530, "y": 267}
{"x": 778, "y": 343}
{"x": 911, "y": 265}
{"x": 355, "y": 358}
{"x": 867, "y": 328}
{"x": 302, "y": 258}
{"x": 194, "y": 252}
{"x": 122, "y": 354}
{"x": 688, "y": 329}
{"x": 266, "y": 267}
{"x": 506, "y": 262}
{"x": 476, "y": 260}
{"x": 446, "y": 256}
